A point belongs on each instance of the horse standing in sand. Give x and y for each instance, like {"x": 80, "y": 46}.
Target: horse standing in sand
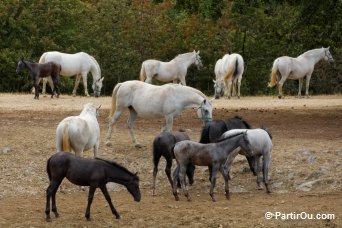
{"x": 228, "y": 72}
{"x": 79, "y": 64}
{"x": 151, "y": 101}
{"x": 38, "y": 71}
{"x": 79, "y": 133}
{"x": 174, "y": 70}
{"x": 260, "y": 140}
{"x": 297, "y": 68}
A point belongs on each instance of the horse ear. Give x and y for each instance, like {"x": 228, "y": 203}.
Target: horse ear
{"x": 214, "y": 81}
{"x": 198, "y": 52}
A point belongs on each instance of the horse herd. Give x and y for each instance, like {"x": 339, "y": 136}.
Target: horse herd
{"x": 220, "y": 142}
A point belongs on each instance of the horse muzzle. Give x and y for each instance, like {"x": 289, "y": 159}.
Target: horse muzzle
{"x": 331, "y": 61}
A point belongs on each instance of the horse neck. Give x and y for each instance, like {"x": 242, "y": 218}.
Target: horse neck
{"x": 193, "y": 98}
{"x": 86, "y": 113}
{"x": 185, "y": 61}
{"x": 230, "y": 144}
{"x": 29, "y": 65}
{"x": 314, "y": 55}
{"x": 95, "y": 69}
{"x": 118, "y": 175}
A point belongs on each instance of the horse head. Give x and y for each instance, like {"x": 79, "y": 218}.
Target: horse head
{"x": 21, "y": 65}
{"x": 218, "y": 88}
{"x": 204, "y": 111}
{"x": 327, "y": 56}
{"x": 133, "y": 187}
{"x": 97, "y": 86}
{"x": 198, "y": 61}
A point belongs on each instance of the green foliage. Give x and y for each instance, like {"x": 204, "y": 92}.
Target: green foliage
{"x": 122, "y": 34}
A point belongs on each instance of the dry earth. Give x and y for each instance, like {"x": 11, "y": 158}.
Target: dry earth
{"x": 305, "y": 173}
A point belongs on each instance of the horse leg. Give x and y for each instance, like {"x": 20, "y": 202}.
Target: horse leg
{"x": 300, "y": 84}
{"x": 84, "y": 79}
{"x": 110, "y": 126}
{"x": 168, "y": 123}
{"x": 257, "y": 166}
{"x": 181, "y": 175}
{"x": 90, "y": 200}
{"x": 182, "y": 80}
{"x": 238, "y": 87}
{"x": 190, "y": 169}
{"x": 174, "y": 187}
{"x": 156, "y": 159}
{"x": 77, "y": 82}
{"x": 265, "y": 168}
{"x": 229, "y": 88}
{"x": 168, "y": 170}
{"x": 131, "y": 118}
{"x": 308, "y": 77}
{"x": 280, "y": 85}
{"x": 224, "y": 172}
{"x": 51, "y": 193}
{"x": 213, "y": 182}
{"x": 36, "y": 87}
{"x": 109, "y": 200}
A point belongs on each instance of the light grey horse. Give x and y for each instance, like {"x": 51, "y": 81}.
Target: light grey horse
{"x": 297, "y": 68}
{"x": 174, "y": 70}
{"x": 212, "y": 154}
{"x": 261, "y": 142}
{"x": 151, "y": 101}
{"x": 79, "y": 133}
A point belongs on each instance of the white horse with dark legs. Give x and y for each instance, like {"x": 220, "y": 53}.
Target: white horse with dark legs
{"x": 151, "y": 101}
{"x": 79, "y": 133}
{"x": 297, "y": 68}
{"x": 261, "y": 143}
{"x": 174, "y": 70}
{"x": 228, "y": 73}
{"x": 79, "y": 64}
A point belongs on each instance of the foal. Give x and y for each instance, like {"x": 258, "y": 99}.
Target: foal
{"x": 37, "y": 70}
{"x": 162, "y": 146}
{"x": 212, "y": 154}
{"x": 95, "y": 173}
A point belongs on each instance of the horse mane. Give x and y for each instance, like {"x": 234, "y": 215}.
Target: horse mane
{"x": 96, "y": 64}
{"x": 182, "y": 56}
{"x": 310, "y": 51}
{"x": 268, "y": 131}
{"x": 112, "y": 163}
{"x": 248, "y": 126}
{"x": 229, "y": 137}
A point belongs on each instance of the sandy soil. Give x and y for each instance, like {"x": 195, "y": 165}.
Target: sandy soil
{"x": 305, "y": 173}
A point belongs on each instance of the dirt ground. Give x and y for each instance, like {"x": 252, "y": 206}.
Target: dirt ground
{"x": 305, "y": 173}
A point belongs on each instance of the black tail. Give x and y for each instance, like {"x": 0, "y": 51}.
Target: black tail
{"x": 268, "y": 131}
{"x": 48, "y": 169}
{"x": 205, "y": 134}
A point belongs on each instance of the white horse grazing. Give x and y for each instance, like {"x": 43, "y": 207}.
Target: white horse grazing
{"x": 79, "y": 133}
{"x": 228, "y": 72}
{"x": 174, "y": 70}
{"x": 79, "y": 64}
{"x": 261, "y": 142}
{"x": 297, "y": 68}
{"x": 151, "y": 101}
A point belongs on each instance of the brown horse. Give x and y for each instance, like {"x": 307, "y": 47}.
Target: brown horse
{"x": 37, "y": 70}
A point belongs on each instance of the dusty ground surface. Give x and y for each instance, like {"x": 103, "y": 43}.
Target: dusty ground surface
{"x": 305, "y": 173}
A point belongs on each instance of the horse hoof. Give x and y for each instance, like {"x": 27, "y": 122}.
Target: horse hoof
{"x": 108, "y": 143}
{"x": 118, "y": 217}
{"x": 138, "y": 146}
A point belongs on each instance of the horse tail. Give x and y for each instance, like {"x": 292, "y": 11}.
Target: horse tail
{"x": 205, "y": 134}
{"x": 156, "y": 150}
{"x": 273, "y": 80}
{"x": 115, "y": 91}
{"x": 268, "y": 131}
{"x": 42, "y": 58}
{"x": 65, "y": 139}
{"x": 48, "y": 170}
{"x": 232, "y": 70}
{"x": 142, "y": 73}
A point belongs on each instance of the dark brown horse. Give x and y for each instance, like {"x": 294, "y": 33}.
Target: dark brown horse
{"x": 95, "y": 173}
{"x": 163, "y": 146}
{"x": 37, "y": 70}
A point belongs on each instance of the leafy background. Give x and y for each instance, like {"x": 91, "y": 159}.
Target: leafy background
{"x": 122, "y": 34}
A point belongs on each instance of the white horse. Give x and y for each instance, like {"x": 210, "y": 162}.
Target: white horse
{"x": 228, "y": 72}
{"x": 261, "y": 142}
{"x": 174, "y": 70}
{"x": 79, "y": 64}
{"x": 151, "y": 101}
{"x": 79, "y": 133}
{"x": 297, "y": 68}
